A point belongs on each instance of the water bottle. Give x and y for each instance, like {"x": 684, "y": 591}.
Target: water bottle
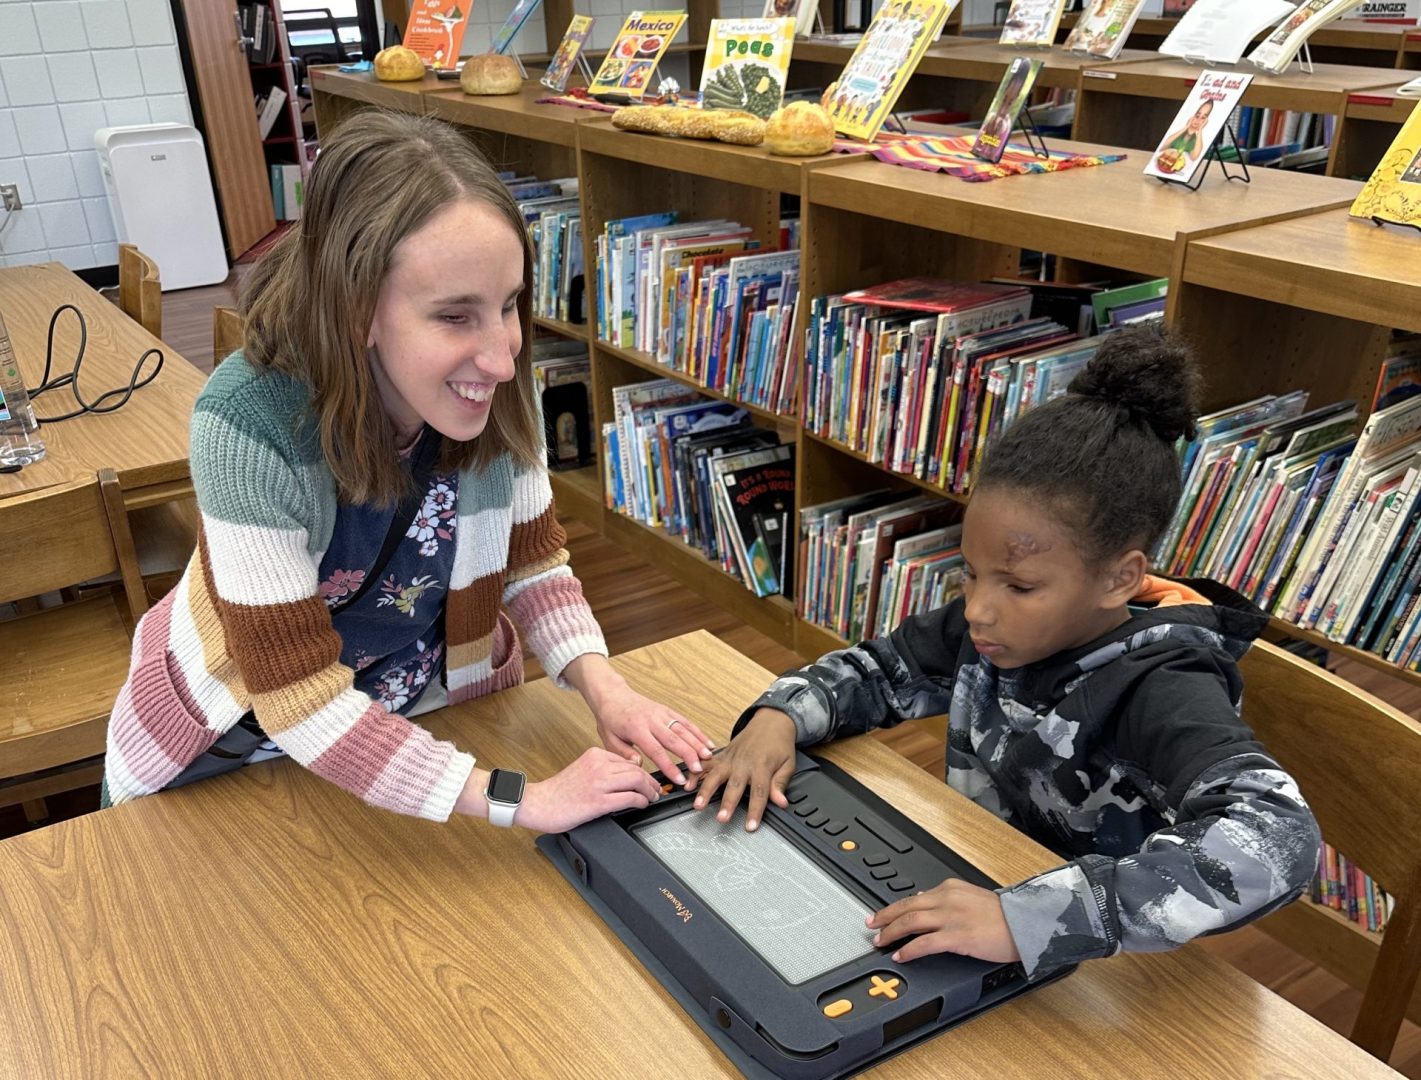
{"x": 20, "y": 443}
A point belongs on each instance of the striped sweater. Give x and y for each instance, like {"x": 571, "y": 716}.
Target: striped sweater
{"x": 247, "y": 630}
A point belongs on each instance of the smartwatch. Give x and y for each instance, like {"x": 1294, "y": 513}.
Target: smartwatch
{"x": 504, "y": 794}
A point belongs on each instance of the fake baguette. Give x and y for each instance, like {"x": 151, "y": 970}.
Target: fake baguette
{"x": 725, "y": 125}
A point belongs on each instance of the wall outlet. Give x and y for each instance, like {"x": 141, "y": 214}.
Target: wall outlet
{"x": 10, "y": 196}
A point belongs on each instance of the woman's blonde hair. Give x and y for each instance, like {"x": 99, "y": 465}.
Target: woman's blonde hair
{"x": 311, "y": 299}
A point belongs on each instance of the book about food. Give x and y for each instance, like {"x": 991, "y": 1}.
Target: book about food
{"x": 801, "y": 11}
{"x": 1276, "y": 51}
{"x": 747, "y": 62}
{"x": 883, "y": 63}
{"x": 569, "y": 49}
{"x": 511, "y": 25}
{"x": 1205, "y": 111}
{"x": 631, "y": 62}
{"x": 1103, "y": 27}
{"x": 1392, "y": 194}
{"x": 1032, "y": 22}
{"x": 1007, "y": 103}
{"x": 435, "y": 30}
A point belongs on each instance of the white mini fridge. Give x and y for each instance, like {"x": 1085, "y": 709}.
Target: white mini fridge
{"x": 160, "y": 193}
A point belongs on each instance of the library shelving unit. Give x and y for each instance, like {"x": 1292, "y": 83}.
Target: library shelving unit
{"x": 1133, "y": 104}
{"x": 1369, "y": 124}
{"x": 1410, "y": 55}
{"x": 335, "y": 94}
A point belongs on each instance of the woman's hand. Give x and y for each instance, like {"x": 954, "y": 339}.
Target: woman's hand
{"x": 761, "y": 757}
{"x": 599, "y": 782}
{"x": 955, "y": 917}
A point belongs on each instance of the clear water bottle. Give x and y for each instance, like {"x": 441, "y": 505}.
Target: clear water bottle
{"x": 20, "y": 443}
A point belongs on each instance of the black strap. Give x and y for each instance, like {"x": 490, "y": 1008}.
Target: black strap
{"x": 426, "y": 456}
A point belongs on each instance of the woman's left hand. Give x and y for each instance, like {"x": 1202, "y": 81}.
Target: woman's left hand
{"x": 631, "y": 724}
{"x": 953, "y": 917}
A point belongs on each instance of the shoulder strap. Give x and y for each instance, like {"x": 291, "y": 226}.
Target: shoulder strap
{"x": 426, "y": 456}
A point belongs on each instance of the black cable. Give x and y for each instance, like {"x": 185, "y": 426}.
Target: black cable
{"x": 71, "y": 379}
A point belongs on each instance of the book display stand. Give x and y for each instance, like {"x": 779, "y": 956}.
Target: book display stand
{"x": 1030, "y": 133}
{"x": 1215, "y": 153}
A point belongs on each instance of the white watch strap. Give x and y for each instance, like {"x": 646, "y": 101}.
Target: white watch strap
{"x": 501, "y": 813}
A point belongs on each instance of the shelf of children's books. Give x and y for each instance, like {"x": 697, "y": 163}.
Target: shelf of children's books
{"x": 773, "y": 616}
{"x": 578, "y": 492}
{"x": 649, "y": 363}
{"x": 1280, "y": 628}
{"x": 906, "y": 478}
{"x": 575, "y": 331}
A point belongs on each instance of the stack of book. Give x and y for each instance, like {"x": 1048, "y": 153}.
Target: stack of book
{"x": 1342, "y": 886}
{"x": 553, "y": 215}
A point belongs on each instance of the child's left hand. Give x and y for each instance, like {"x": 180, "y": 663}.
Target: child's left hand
{"x": 631, "y": 724}
{"x": 953, "y": 917}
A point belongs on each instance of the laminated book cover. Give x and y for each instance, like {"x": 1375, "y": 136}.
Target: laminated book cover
{"x": 801, "y": 11}
{"x": 1007, "y": 103}
{"x": 1032, "y": 22}
{"x": 1103, "y": 27}
{"x": 883, "y": 63}
{"x": 511, "y": 25}
{"x": 1392, "y": 194}
{"x": 435, "y": 30}
{"x": 1276, "y": 51}
{"x": 1205, "y": 111}
{"x": 631, "y": 61}
{"x": 570, "y": 48}
{"x": 747, "y": 62}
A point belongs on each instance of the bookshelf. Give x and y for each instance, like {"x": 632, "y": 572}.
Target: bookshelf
{"x": 1369, "y": 123}
{"x": 335, "y": 94}
{"x": 1410, "y": 55}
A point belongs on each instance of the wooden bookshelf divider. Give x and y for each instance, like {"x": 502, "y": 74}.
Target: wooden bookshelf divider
{"x": 1409, "y": 57}
{"x": 1369, "y": 123}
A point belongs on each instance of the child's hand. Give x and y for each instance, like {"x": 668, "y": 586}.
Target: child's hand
{"x": 954, "y": 917}
{"x": 632, "y": 724}
{"x": 599, "y": 782}
{"x": 761, "y": 756}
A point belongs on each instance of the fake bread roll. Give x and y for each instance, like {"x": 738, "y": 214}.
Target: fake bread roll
{"x": 490, "y": 73}
{"x": 398, "y": 64}
{"x": 800, "y": 129}
{"x": 724, "y": 125}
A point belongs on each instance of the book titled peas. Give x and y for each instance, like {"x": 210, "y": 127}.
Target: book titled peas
{"x": 747, "y": 61}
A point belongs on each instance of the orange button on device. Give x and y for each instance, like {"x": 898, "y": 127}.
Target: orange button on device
{"x": 886, "y": 987}
{"x": 836, "y": 1009}
{"x": 848, "y": 845}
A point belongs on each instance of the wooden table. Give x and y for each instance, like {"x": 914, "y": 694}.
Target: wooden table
{"x": 146, "y": 441}
{"x": 266, "y": 916}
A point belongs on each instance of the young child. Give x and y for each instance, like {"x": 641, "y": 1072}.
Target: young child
{"x": 386, "y": 365}
{"x": 1092, "y": 705}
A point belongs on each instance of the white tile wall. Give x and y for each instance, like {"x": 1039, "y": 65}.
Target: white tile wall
{"x": 68, "y": 68}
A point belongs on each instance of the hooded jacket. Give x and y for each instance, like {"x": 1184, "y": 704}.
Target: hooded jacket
{"x": 1125, "y": 755}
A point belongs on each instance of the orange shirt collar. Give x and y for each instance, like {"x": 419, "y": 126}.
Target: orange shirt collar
{"x": 1161, "y": 592}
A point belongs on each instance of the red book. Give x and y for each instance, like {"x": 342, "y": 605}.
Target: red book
{"x": 934, "y": 294}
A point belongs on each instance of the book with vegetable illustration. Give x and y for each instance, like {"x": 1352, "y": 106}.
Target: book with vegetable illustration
{"x": 747, "y": 61}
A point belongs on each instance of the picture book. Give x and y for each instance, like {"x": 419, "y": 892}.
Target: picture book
{"x": 1392, "y": 194}
{"x": 1218, "y": 31}
{"x": 1032, "y": 22}
{"x": 1187, "y": 142}
{"x": 1275, "y": 52}
{"x": 883, "y": 63}
{"x": 801, "y": 11}
{"x": 759, "y": 485}
{"x": 639, "y": 45}
{"x": 933, "y": 294}
{"x": 747, "y": 62}
{"x": 1398, "y": 379}
{"x": 1173, "y": 9}
{"x": 1103, "y": 27}
{"x": 505, "y": 34}
{"x": 435, "y": 30}
{"x": 565, "y": 59}
{"x": 1011, "y": 97}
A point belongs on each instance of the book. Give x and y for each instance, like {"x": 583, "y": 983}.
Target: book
{"x": 504, "y": 35}
{"x": 1103, "y": 27}
{"x": 747, "y": 63}
{"x": 1276, "y": 51}
{"x": 1392, "y": 194}
{"x": 802, "y": 12}
{"x": 758, "y": 485}
{"x": 1218, "y": 31}
{"x": 1007, "y": 103}
{"x": 627, "y": 69}
{"x": 1186, "y": 144}
{"x": 579, "y": 29}
{"x": 883, "y": 62}
{"x": 435, "y": 31}
{"x": 1032, "y": 23}
{"x": 1398, "y": 379}
{"x": 269, "y": 109}
{"x": 934, "y": 294}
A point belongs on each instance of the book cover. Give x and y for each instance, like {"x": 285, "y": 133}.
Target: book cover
{"x": 1203, "y": 115}
{"x": 1007, "y": 103}
{"x": 1103, "y": 27}
{"x": 637, "y": 49}
{"x": 1276, "y": 51}
{"x": 802, "y": 13}
{"x": 435, "y": 31}
{"x": 579, "y": 29}
{"x": 761, "y": 485}
{"x": 747, "y": 62}
{"x": 883, "y": 63}
{"x": 934, "y": 294}
{"x": 505, "y": 34}
{"x": 1218, "y": 31}
{"x": 1032, "y": 22}
{"x": 1392, "y": 194}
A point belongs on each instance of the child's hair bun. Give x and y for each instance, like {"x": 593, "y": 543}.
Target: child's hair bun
{"x": 1149, "y": 373}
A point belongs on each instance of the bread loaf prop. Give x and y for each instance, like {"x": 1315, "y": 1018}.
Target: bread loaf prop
{"x": 724, "y": 125}
{"x": 398, "y": 64}
{"x": 491, "y": 73}
{"x": 800, "y": 129}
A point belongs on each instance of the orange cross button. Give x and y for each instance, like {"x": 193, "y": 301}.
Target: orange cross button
{"x": 836, "y": 1009}
{"x": 884, "y": 987}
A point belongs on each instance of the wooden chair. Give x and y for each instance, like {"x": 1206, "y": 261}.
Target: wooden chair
{"x": 140, "y": 290}
{"x": 228, "y": 334}
{"x": 64, "y": 666}
{"x": 1357, "y": 761}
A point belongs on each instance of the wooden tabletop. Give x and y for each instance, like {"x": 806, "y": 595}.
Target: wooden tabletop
{"x": 267, "y": 916}
{"x": 363, "y": 86}
{"x": 146, "y": 441}
{"x": 511, "y": 114}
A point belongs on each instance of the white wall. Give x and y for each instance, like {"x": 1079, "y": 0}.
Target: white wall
{"x": 66, "y": 70}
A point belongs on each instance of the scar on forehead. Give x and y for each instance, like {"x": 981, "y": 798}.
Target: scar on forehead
{"x": 1021, "y": 546}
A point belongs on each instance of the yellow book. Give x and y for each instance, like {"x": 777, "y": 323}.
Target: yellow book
{"x": 747, "y": 62}
{"x": 1392, "y": 195}
{"x": 883, "y": 63}
{"x": 632, "y": 59}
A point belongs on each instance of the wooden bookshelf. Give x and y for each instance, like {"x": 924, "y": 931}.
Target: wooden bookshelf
{"x": 1409, "y": 56}
{"x": 336, "y": 94}
{"x": 579, "y": 492}
{"x": 1369, "y": 123}
{"x": 575, "y": 331}
{"x": 652, "y": 366}
{"x": 1279, "y": 629}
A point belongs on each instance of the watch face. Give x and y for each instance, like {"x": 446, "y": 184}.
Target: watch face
{"x": 505, "y": 786}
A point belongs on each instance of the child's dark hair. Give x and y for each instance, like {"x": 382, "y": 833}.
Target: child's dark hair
{"x": 1102, "y": 456}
